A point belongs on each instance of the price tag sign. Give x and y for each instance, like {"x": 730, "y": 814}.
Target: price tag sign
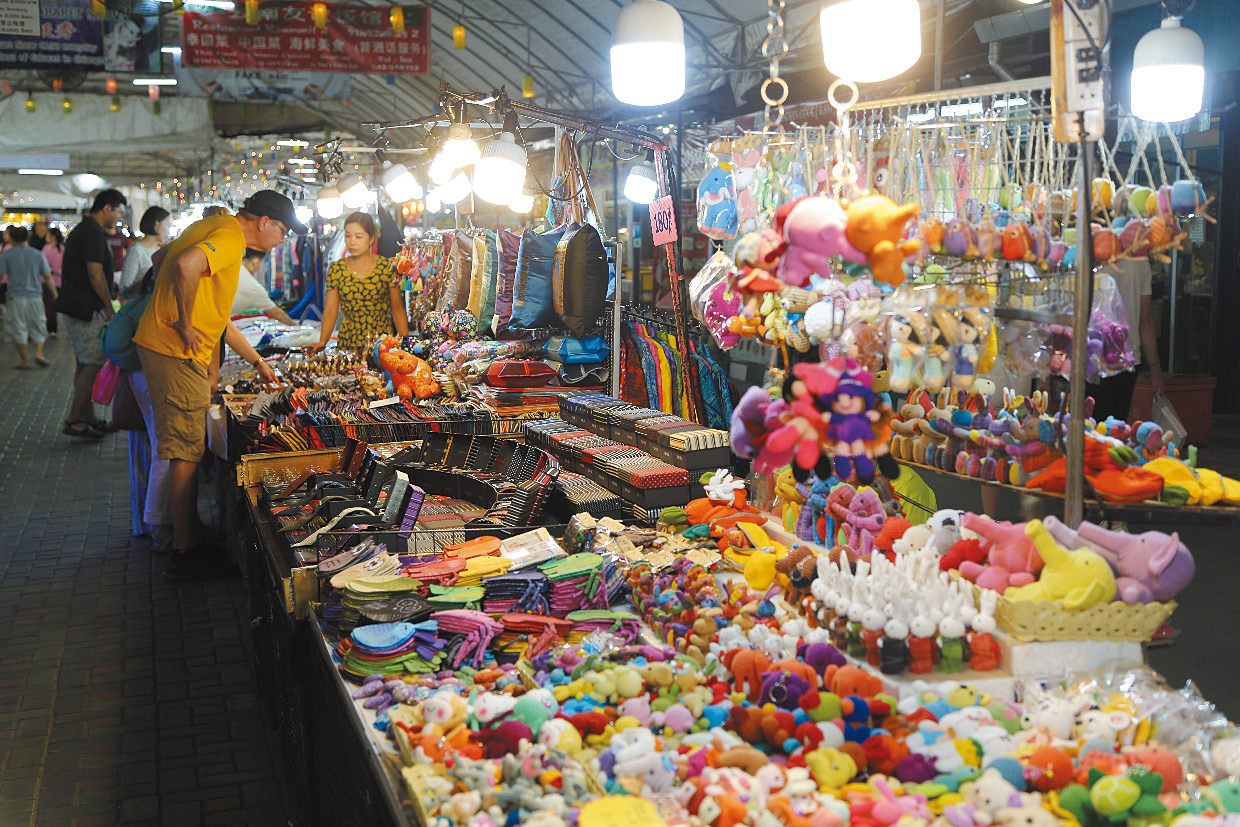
{"x": 663, "y": 220}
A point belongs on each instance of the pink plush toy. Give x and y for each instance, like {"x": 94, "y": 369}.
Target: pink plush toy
{"x": 814, "y": 232}
{"x": 1012, "y": 558}
{"x": 861, "y": 521}
{"x": 1148, "y": 566}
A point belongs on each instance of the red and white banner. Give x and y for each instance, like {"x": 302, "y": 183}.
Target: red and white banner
{"x": 357, "y": 39}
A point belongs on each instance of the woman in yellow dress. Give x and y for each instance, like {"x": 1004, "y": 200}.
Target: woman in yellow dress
{"x": 362, "y": 286}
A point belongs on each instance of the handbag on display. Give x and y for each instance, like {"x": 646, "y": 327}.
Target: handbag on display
{"x": 533, "y": 306}
{"x": 570, "y": 351}
{"x": 580, "y": 275}
{"x": 519, "y": 373}
{"x": 460, "y": 271}
{"x": 509, "y": 249}
{"x": 490, "y": 281}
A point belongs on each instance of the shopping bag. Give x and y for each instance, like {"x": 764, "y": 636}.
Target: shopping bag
{"x": 104, "y": 389}
{"x": 1164, "y": 413}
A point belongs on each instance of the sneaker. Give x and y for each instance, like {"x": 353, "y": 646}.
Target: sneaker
{"x": 200, "y": 563}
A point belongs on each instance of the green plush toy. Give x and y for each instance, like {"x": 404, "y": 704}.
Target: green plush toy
{"x": 1117, "y": 798}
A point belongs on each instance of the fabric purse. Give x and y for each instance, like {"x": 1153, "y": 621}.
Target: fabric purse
{"x": 477, "y": 276}
{"x": 579, "y": 278}
{"x": 490, "y": 281}
{"x": 519, "y": 373}
{"x": 509, "y": 250}
{"x": 533, "y": 306}
{"x": 460, "y": 270}
{"x": 569, "y": 351}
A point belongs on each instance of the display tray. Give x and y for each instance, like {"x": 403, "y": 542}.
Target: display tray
{"x": 1141, "y": 513}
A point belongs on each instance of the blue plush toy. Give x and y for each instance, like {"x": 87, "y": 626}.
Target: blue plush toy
{"x": 716, "y": 202}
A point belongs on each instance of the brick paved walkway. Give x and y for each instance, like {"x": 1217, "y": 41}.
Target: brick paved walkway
{"x": 124, "y": 699}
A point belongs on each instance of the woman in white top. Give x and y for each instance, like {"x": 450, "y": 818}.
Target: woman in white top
{"x": 154, "y": 227}
{"x": 251, "y": 295}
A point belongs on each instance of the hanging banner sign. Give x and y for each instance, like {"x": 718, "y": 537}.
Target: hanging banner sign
{"x": 242, "y": 85}
{"x": 68, "y": 37}
{"x": 20, "y": 17}
{"x": 663, "y": 221}
{"x": 131, "y": 38}
{"x": 356, "y": 39}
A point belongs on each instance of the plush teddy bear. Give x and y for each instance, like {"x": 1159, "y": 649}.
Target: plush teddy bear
{"x": 851, "y": 680}
{"x": 815, "y": 232}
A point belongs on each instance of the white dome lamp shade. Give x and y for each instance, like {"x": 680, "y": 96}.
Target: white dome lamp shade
{"x": 353, "y": 191}
{"x": 455, "y": 190}
{"x": 641, "y": 186}
{"x": 500, "y": 173}
{"x": 867, "y": 41}
{"x": 399, "y": 183}
{"x": 440, "y": 170}
{"x": 1168, "y": 73}
{"x": 459, "y": 147}
{"x": 648, "y": 54}
{"x": 522, "y": 203}
{"x": 328, "y": 203}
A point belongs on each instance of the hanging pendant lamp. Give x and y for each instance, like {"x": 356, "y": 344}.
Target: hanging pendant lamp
{"x": 867, "y": 41}
{"x": 1168, "y": 73}
{"x": 648, "y": 54}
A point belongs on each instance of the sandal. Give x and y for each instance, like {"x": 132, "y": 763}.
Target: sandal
{"x": 82, "y": 431}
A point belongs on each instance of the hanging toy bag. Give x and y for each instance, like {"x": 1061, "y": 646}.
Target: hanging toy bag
{"x": 716, "y": 195}
{"x": 1108, "y": 346}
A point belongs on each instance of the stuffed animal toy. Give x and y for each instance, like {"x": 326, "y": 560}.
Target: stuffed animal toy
{"x": 1079, "y": 578}
{"x": 815, "y": 232}
{"x": 851, "y": 680}
{"x": 747, "y": 667}
{"x": 875, "y": 227}
{"x": 504, "y": 739}
{"x": 1012, "y": 558}
{"x": 717, "y": 216}
{"x": 1148, "y": 566}
{"x": 410, "y": 376}
{"x": 961, "y": 552}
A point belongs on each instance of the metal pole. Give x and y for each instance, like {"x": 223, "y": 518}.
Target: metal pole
{"x": 1174, "y": 288}
{"x": 617, "y": 301}
{"x": 940, "y": 9}
{"x": 1074, "y": 490}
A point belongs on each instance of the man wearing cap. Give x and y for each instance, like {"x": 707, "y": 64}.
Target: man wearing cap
{"x": 178, "y": 342}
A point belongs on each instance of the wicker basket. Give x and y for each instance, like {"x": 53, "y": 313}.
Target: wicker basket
{"x": 1115, "y": 621}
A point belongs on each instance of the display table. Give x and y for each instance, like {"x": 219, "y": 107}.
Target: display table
{"x": 339, "y": 769}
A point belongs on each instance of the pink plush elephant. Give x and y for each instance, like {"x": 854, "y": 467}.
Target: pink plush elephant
{"x": 814, "y": 232}
{"x": 1012, "y": 559}
{"x": 1148, "y": 566}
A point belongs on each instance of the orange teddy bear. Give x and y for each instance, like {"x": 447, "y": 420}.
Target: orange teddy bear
{"x": 875, "y": 227}
{"x": 851, "y": 680}
{"x": 410, "y": 375}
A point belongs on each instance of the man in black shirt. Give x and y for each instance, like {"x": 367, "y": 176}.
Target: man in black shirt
{"x": 38, "y": 235}
{"x": 85, "y": 305}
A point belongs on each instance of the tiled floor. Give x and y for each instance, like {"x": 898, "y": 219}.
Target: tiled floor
{"x": 124, "y": 699}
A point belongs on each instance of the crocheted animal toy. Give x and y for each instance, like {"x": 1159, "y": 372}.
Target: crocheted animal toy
{"x": 875, "y": 227}
{"x": 1012, "y": 559}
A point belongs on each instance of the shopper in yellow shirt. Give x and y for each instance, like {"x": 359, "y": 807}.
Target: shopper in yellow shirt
{"x": 178, "y": 343}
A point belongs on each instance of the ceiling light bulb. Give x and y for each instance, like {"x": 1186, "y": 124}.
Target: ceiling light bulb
{"x": 648, "y": 54}
{"x": 459, "y": 148}
{"x": 304, "y": 213}
{"x": 522, "y": 203}
{"x": 867, "y": 41}
{"x": 353, "y": 191}
{"x": 500, "y": 173}
{"x": 328, "y": 204}
{"x": 641, "y": 187}
{"x": 399, "y": 184}
{"x": 441, "y": 169}
{"x": 455, "y": 189}
{"x": 1168, "y": 73}
{"x": 433, "y": 202}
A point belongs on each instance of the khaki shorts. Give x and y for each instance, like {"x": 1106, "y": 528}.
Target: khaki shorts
{"x": 181, "y": 393}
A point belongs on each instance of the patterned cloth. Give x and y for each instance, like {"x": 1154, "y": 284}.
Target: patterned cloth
{"x": 84, "y": 338}
{"x": 365, "y": 303}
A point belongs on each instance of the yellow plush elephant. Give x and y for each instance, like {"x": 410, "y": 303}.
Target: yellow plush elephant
{"x": 1079, "y": 578}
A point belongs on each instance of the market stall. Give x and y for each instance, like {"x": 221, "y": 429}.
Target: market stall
{"x": 536, "y": 563}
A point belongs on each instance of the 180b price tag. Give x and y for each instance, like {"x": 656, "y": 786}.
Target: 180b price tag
{"x": 663, "y": 220}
